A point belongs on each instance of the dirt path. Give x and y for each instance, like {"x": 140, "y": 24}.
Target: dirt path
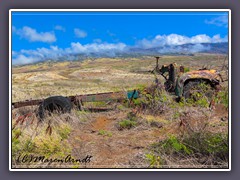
{"x": 121, "y": 149}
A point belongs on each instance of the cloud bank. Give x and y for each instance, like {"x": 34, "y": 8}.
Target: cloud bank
{"x": 56, "y": 53}
{"x": 33, "y": 36}
{"x": 176, "y": 39}
{"x": 173, "y": 43}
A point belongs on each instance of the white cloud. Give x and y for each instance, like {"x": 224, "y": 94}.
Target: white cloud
{"x": 96, "y": 48}
{"x": 176, "y": 39}
{"x": 22, "y": 59}
{"x": 201, "y": 38}
{"x": 33, "y": 36}
{"x": 218, "y": 21}
{"x": 80, "y": 33}
{"x": 60, "y": 28}
{"x": 54, "y": 52}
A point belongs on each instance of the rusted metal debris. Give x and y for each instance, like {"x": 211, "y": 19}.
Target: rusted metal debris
{"x": 109, "y": 96}
{"x": 27, "y": 103}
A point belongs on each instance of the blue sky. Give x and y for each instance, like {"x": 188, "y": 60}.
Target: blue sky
{"x": 47, "y": 35}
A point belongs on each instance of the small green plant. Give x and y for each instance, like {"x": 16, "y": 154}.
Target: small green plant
{"x": 121, "y": 107}
{"x": 64, "y": 131}
{"x": 201, "y": 95}
{"x": 154, "y": 161}
{"x": 186, "y": 69}
{"x": 16, "y": 146}
{"x": 172, "y": 144}
{"x": 141, "y": 87}
{"x": 223, "y": 98}
{"x": 127, "y": 124}
{"x": 203, "y": 102}
{"x": 137, "y": 102}
{"x": 104, "y": 133}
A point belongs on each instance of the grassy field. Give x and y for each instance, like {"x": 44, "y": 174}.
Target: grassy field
{"x": 94, "y": 76}
{"x": 164, "y": 134}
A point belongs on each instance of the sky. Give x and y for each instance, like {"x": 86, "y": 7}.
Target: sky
{"x": 38, "y": 36}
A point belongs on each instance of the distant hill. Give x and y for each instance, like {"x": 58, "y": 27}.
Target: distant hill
{"x": 214, "y": 48}
{"x": 179, "y": 50}
{"x": 185, "y": 49}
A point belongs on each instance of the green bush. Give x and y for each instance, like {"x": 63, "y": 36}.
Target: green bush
{"x": 213, "y": 147}
{"x": 42, "y": 144}
{"x": 64, "y": 131}
{"x": 154, "y": 161}
{"x": 186, "y": 69}
{"x": 16, "y": 146}
{"x": 223, "y": 97}
{"x": 127, "y": 124}
{"x": 105, "y": 133}
{"x": 201, "y": 96}
{"x": 141, "y": 87}
{"x": 173, "y": 144}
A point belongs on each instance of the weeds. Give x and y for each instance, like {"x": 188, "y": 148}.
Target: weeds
{"x": 223, "y": 97}
{"x": 154, "y": 161}
{"x": 196, "y": 145}
{"x": 127, "y": 124}
{"x": 105, "y": 133}
{"x": 48, "y": 139}
{"x": 154, "y": 100}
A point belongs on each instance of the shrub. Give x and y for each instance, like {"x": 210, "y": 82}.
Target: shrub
{"x": 16, "y": 146}
{"x": 64, "y": 131}
{"x": 223, "y": 97}
{"x": 155, "y": 100}
{"x": 127, "y": 124}
{"x": 174, "y": 145}
{"x": 211, "y": 147}
{"x": 154, "y": 161}
{"x": 35, "y": 141}
{"x": 201, "y": 95}
{"x": 105, "y": 133}
{"x": 186, "y": 69}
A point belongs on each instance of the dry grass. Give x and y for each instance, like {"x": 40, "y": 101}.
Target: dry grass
{"x": 82, "y": 133}
{"x": 94, "y": 76}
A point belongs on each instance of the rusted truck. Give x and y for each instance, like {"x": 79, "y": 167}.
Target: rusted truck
{"x": 177, "y": 81}
{"x": 186, "y": 84}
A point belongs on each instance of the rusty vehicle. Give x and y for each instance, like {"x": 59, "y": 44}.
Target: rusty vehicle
{"x": 185, "y": 84}
{"x": 177, "y": 81}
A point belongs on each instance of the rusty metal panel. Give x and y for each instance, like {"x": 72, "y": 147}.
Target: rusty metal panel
{"x": 206, "y": 74}
{"x": 85, "y": 98}
{"x": 101, "y": 97}
{"x": 27, "y": 103}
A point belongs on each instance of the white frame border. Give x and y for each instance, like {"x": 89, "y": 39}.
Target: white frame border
{"x": 116, "y": 10}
